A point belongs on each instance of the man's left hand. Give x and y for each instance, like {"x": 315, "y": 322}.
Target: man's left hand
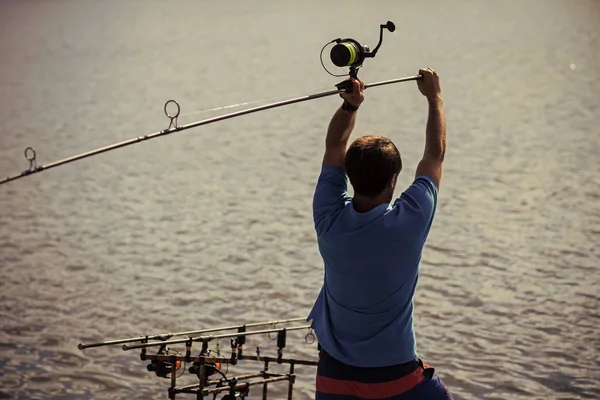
{"x": 357, "y": 96}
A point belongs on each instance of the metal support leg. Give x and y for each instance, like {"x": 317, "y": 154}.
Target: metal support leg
{"x": 265, "y": 387}
{"x": 291, "y": 384}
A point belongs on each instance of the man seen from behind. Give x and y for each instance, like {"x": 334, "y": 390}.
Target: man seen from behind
{"x": 371, "y": 245}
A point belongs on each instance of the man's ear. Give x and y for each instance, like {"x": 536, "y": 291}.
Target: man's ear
{"x": 392, "y": 182}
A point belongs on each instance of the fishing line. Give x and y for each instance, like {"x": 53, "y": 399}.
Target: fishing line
{"x": 247, "y": 103}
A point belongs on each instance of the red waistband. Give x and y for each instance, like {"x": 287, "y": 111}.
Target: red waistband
{"x": 362, "y": 390}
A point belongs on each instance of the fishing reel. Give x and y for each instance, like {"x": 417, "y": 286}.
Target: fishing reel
{"x": 163, "y": 369}
{"x": 209, "y": 368}
{"x": 350, "y": 53}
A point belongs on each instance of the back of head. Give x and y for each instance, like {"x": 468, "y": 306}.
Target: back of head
{"x": 371, "y": 163}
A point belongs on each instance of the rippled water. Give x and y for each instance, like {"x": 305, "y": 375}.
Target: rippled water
{"x": 213, "y": 226}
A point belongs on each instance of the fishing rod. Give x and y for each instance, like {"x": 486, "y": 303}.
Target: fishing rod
{"x": 208, "y": 338}
{"x": 167, "y": 336}
{"x": 345, "y": 53}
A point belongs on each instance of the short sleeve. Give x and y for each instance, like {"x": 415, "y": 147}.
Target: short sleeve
{"x": 331, "y": 195}
{"x": 418, "y": 204}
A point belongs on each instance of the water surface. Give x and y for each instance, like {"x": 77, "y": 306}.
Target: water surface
{"x": 212, "y": 226}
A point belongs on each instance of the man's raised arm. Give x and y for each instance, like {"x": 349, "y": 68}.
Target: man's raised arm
{"x": 341, "y": 125}
{"x": 435, "y": 141}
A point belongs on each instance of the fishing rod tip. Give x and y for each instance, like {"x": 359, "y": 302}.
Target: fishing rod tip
{"x": 125, "y": 347}
{"x": 80, "y": 346}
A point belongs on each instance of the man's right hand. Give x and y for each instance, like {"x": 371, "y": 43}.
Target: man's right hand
{"x": 357, "y": 96}
{"x": 429, "y": 84}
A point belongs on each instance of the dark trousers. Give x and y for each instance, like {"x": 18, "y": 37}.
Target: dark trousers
{"x": 410, "y": 381}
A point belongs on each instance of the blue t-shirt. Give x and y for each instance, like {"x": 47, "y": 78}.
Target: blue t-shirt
{"x": 363, "y": 315}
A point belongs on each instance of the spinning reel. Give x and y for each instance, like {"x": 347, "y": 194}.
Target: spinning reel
{"x": 209, "y": 368}
{"x": 163, "y": 369}
{"x": 350, "y": 53}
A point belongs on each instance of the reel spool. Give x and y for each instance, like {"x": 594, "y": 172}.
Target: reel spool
{"x": 350, "y": 53}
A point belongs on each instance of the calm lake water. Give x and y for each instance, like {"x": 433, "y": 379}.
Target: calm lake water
{"x": 212, "y": 226}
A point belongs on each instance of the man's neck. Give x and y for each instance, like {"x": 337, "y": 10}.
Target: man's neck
{"x": 364, "y": 204}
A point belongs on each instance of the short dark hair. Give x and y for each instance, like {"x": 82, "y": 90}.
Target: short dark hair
{"x": 370, "y": 163}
